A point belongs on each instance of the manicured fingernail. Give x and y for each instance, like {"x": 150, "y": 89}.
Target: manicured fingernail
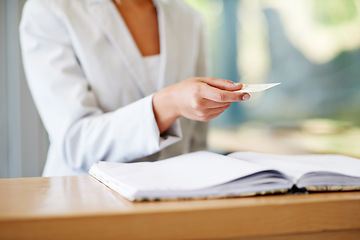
{"x": 246, "y": 97}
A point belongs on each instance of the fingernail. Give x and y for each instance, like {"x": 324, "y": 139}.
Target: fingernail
{"x": 245, "y": 97}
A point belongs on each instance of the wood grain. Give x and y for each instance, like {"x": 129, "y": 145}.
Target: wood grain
{"x": 79, "y": 207}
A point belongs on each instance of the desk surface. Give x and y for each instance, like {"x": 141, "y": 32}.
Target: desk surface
{"x": 80, "y": 207}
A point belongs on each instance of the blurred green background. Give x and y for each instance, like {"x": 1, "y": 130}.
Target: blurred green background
{"x": 313, "y": 48}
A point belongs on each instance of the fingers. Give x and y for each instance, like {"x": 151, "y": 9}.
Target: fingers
{"x": 201, "y": 104}
{"x": 209, "y": 113}
{"x": 219, "y": 95}
{"x": 221, "y": 90}
{"x": 222, "y": 83}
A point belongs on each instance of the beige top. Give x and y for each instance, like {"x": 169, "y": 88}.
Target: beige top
{"x": 152, "y": 67}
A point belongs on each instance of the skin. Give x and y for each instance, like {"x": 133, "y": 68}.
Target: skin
{"x": 199, "y": 98}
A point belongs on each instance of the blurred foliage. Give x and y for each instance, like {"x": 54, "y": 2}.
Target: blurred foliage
{"x": 335, "y": 12}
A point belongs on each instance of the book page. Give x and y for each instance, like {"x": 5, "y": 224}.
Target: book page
{"x": 298, "y": 165}
{"x": 186, "y": 172}
{"x": 268, "y": 182}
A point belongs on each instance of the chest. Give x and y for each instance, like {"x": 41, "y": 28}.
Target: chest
{"x": 142, "y": 23}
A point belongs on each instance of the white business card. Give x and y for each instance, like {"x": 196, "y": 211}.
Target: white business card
{"x": 249, "y": 88}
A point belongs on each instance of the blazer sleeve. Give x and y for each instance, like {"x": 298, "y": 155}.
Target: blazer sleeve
{"x": 68, "y": 107}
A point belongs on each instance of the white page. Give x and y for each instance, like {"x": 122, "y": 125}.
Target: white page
{"x": 249, "y": 88}
{"x": 298, "y": 165}
{"x": 186, "y": 172}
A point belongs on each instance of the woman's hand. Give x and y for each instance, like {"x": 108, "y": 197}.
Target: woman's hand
{"x": 199, "y": 99}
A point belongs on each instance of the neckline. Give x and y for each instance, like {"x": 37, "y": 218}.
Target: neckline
{"x": 151, "y": 56}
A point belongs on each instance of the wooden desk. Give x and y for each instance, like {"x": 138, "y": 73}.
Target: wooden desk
{"x": 82, "y": 208}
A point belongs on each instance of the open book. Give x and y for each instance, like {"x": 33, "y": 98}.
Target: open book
{"x": 210, "y": 175}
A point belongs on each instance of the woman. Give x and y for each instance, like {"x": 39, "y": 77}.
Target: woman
{"x": 114, "y": 80}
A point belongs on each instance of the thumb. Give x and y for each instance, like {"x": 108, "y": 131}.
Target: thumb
{"x": 222, "y": 84}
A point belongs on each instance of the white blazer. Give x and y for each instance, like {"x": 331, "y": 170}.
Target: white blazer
{"x": 89, "y": 83}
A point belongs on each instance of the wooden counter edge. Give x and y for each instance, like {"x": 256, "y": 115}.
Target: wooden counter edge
{"x": 217, "y": 223}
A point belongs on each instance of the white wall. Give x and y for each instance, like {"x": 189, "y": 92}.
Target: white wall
{"x": 23, "y": 140}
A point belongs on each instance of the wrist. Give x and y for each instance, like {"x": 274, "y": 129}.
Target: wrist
{"x": 165, "y": 109}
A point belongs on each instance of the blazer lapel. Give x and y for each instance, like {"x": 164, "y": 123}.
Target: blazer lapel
{"x": 168, "y": 46}
{"x": 112, "y": 24}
